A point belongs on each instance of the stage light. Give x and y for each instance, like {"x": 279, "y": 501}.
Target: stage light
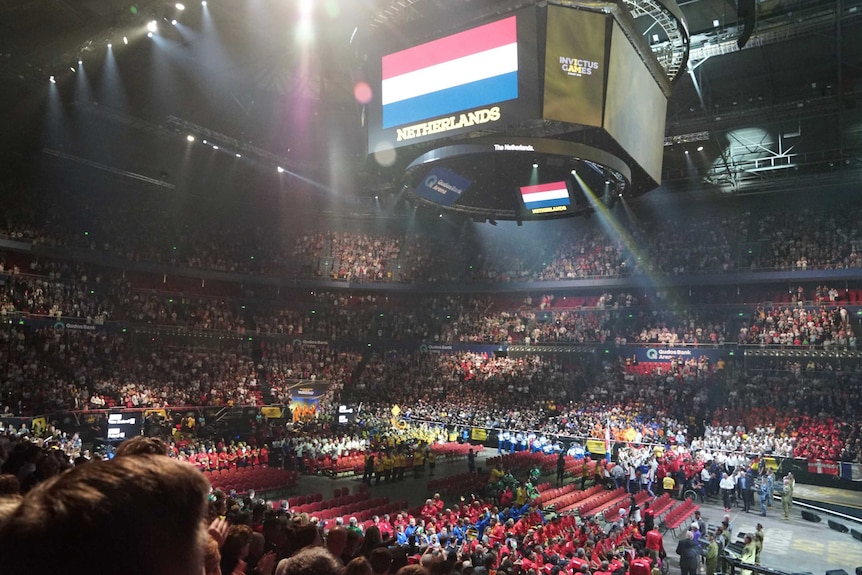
{"x": 204, "y": 3}
{"x": 52, "y": 80}
{"x": 239, "y": 155}
{"x": 700, "y": 148}
{"x": 174, "y": 22}
{"x": 80, "y": 62}
{"x": 110, "y": 45}
{"x": 72, "y": 68}
{"x": 205, "y": 141}
{"x": 376, "y": 197}
{"x": 215, "y": 147}
{"x": 125, "y": 40}
{"x": 716, "y": 23}
{"x": 686, "y": 152}
{"x": 180, "y": 6}
{"x": 190, "y": 138}
{"x": 535, "y": 164}
{"x": 280, "y": 170}
{"x": 153, "y": 26}
{"x": 149, "y": 34}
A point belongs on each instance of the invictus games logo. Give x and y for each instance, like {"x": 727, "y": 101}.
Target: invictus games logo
{"x": 575, "y": 67}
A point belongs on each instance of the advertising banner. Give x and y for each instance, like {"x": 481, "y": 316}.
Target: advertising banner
{"x": 669, "y": 354}
{"x": 442, "y": 186}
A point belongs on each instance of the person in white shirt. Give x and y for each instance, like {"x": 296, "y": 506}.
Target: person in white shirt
{"x": 727, "y": 485}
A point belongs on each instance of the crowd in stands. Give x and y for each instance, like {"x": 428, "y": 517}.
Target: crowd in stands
{"x": 800, "y": 326}
{"x": 800, "y": 239}
{"x": 103, "y": 369}
{"x": 62, "y": 290}
{"x": 253, "y": 241}
{"x": 48, "y": 370}
{"x": 807, "y": 410}
{"x": 51, "y": 370}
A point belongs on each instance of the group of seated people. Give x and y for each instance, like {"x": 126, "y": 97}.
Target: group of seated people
{"x": 49, "y": 370}
{"x": 100, "y": 369}
{"x": 64, "y": 290}
{"x": 140, "y": 499}
{"x": 252, "y": 241}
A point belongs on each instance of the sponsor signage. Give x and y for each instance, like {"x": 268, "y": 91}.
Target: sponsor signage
{"x": 669, "y": 354}
{"x": 442, "y": 186}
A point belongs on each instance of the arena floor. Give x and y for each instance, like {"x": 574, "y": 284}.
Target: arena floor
{"x": 794, "y": 546}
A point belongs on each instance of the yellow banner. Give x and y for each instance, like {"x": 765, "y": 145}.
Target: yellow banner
{"x": 39, "y": 425}
{"x": 161, "y": 412}
{"x": 271, "y": 412}
{"x": 596, "y": 446}
{"x": 769, "y": 462}
{"x": 478, "y": 434}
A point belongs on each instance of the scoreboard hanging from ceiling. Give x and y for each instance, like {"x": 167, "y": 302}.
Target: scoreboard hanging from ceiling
{"x": 572, "y": 66}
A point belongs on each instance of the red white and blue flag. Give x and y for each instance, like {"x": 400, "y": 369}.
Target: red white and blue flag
{"x": 545, "y": 195}
{"x": 460, "y": 72}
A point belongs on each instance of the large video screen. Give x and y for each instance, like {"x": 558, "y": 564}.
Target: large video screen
{"x": 551, "y": 198}
{"x": 482, "y": 78}
{"x": 123, "y": 426}
{"x": 575, "y": 66}
{"x": 637, "y": 123}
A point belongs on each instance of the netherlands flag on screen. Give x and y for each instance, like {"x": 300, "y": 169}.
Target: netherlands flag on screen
{"x": 474, "y": 68}
{"x": 545, "y": 195}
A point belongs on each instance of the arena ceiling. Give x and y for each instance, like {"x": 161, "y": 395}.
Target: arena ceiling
{"x": 784, "y": 103}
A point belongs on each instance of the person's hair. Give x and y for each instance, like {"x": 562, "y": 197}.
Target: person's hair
{"x": 309, "y": 561}
{"x": 336, "y": 539}
{"x": 412, "y": 570}
{"x": 8, "y": 504}
{"x": 358, "y": 566}
{"x": 380, "y": 559}
{"x": 141, "y": 445}
{"x": 302, "y": 536}
{"x": 238, "y": 537}
{"x": 9, "y": 484}
{"x": 371, "y": 540}
{"x": 144, "y": 513}
{"x": 212, "y": 557}
{"x": 351, "y": 546}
